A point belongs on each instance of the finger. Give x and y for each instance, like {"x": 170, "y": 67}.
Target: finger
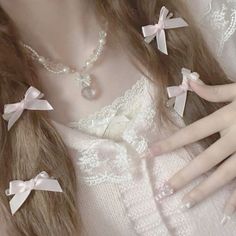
{"x": 212, "y": 156}
{"x": 222, "y": 176}
{"x": 200, "y": 129}
{"x": 230, "y": 208}
{"x": 216, "y": 93}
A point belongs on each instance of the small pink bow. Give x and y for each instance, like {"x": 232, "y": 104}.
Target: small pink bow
{"x": 31, "y": 101}
{"x": 22, "y": 189}
{"x": 180, "y": 92}
{"x": 158, "y": 30}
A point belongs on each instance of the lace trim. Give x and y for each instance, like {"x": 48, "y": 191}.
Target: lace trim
{"x": 125, "y": 125}
{"x": 111, "y": 164}
{"x": 222, "y": 18}
{"x": 109, "y": 110}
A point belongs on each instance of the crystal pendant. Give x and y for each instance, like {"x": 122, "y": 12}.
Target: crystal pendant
{"x": 89, "y": 92}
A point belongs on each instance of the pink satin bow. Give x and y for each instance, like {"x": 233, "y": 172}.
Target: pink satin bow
{"x": 158, "y": 30}
{"x": 31, "y": 101}
{"x": 22, "y": 189}
{"x": 180, "y": 92}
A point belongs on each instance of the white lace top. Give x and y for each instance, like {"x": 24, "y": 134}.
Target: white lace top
{"x": 117, "y": 186}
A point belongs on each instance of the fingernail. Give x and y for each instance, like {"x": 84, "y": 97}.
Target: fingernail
{"x": 225, "y": 219}
{"x": 186, "y": 205}
{"x": 197, "y": 80}
{"x": 164, "y": 191}
{"x": 228, "y": 212}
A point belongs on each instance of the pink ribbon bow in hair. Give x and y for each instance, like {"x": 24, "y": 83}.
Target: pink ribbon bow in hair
{"x": 158, "y": 30}
{"x": 180, "y": 92}
{"x": 31, "y": 101}
{"x": 22, "y": 189}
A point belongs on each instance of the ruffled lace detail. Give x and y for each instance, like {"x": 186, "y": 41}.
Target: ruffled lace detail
{"x": 221, "y": 17}
{"x": 112, "y": 164}
{"x": 104, "y": 116}
{"x": 122, "y": 126}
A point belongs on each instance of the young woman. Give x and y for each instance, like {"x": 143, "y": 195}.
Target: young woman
{"x": 104, "y": 141}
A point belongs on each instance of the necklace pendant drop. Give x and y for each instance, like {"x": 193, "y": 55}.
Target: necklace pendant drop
{"x": 88, "y": 91}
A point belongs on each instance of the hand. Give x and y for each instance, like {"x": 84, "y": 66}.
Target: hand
{"x": 222, "y": 152}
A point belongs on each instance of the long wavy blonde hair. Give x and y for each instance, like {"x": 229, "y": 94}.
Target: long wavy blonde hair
{"x": 33, "y": 144}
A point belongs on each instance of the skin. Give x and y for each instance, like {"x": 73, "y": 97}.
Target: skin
{"x": 67, "y": 31}
{"x": 223, "y": 121}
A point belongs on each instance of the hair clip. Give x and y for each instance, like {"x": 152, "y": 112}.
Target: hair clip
{"x": 158, "y": 30}
{"x": 180, "y": 92}
{"x": 22, "y": 189}
{"x": 31, "y": 101}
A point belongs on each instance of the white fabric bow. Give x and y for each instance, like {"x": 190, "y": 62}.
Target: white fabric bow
{"x": 31, "y": 101}
{"x": 180, "y": 92}
{"x": 158, "y": 30}
{"x": 22, "y": 189}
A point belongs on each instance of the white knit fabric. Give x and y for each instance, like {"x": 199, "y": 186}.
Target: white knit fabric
{"x": 126, "y": 205}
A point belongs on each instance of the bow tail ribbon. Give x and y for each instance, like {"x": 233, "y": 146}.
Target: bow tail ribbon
{"x": 161, "y": 41}
{"x": 181, "y": 97}
{"x": 180, "y": 103}
{"x": 175, "y": 23}
{"x": 12, "y": 118}
{"x": 149, "y": 32}
{"x": 17, "y": 201}
{"x": 39, "y": 105}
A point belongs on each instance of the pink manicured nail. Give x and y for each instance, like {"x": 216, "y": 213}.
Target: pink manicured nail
{"x": 164, "y": 191}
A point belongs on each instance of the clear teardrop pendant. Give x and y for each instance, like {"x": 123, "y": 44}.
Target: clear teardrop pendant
{"x": 88, "y": 90}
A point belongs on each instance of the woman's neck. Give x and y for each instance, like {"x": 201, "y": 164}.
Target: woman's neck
{"x": 58, "y": 29}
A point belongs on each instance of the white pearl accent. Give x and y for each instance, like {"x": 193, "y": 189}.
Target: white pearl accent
{"x": 66, "y": 69}
{"x": 41, "y": 59}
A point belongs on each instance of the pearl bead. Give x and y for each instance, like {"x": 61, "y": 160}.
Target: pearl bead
{"x": 89, "y": 92}
{"x": 41, "y": 59}
{"x": 66, "y": 69}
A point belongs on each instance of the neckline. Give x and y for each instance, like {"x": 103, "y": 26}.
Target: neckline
{"x": 126, "y": 94}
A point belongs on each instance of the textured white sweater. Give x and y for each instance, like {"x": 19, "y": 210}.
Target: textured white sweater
{"x": 117, "y": 187}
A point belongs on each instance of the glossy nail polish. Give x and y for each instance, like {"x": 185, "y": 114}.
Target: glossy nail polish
{"x": 225, "y": 219}
{"x": 228, "y": 212}
{"x": 186, "y": 205}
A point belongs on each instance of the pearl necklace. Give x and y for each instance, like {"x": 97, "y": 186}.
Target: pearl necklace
{"x": 82, "y": 76}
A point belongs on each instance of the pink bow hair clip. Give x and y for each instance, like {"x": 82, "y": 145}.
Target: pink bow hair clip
{"x": 22, "y": 189}
{"x": 31, "y": 101}
{"x": 180, "y": 92}
{"x": 158, "y": 30}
